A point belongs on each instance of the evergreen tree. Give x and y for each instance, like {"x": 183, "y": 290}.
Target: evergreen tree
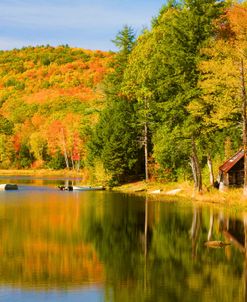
{"x": 114, "y": 141}
{"x": 115, "y": 137}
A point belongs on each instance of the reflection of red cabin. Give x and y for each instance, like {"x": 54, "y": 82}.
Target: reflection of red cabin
{"x": 232, "y": 171}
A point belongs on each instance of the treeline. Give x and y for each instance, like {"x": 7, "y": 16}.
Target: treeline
{"x": 167, "y": 106}
{"x": 175, "y": 97}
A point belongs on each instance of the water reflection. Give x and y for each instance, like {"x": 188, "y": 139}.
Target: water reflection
{"x": 40, "y": 181}
{"x": 42, "y": 243}
{"x": 125, "y": 248}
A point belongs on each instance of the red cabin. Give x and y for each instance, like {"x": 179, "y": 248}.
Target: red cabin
{"x": 232, "y": 171}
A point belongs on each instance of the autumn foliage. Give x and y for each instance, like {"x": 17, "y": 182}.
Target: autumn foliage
{"x": 51, "y": 97}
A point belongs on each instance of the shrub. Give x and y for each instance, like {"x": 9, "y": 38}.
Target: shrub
{"x": 57, "y": 162}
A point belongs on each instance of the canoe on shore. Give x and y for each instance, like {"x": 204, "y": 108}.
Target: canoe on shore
{"x": 216, "y": 244}
{"x": 4, "y": 187}
{"x": 81, "y": 188}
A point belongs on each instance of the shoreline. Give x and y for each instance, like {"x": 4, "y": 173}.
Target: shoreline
{"x": 230, "y": 199}
{"x": 181, "y": 192}
{"x": 42, "y": 172}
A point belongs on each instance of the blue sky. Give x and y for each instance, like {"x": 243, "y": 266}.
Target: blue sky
{"x": 90, "y": 24}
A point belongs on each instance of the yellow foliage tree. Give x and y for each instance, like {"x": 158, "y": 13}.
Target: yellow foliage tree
{"x": 224, "y": 76}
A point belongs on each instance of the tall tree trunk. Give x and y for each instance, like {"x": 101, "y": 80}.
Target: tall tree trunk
{"x": 211, "y": 172}
{"x": 244, "y": 117}
{"x": 72, "y": 161}
{"x": 146, "y": 141}
{"x": 197, "y": 168}
{"x": 78, "y": 165}
{"x": 64, "y": 149}
{"x": 193, "y": 167}
{"x": 245, "y": 262}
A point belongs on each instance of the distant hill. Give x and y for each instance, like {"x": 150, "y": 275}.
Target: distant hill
{"x": 49, "y": 98}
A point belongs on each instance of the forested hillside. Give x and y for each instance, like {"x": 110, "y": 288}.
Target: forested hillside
{"x": 50, "y": 98}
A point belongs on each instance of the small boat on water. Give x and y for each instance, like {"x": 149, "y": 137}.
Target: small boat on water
{"x": 80, "y": 188}
{"x": 88, "y": 188}
{"x": 4, "y": 187}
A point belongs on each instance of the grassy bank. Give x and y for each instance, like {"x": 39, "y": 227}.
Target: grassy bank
{"x": 184, "y": 192}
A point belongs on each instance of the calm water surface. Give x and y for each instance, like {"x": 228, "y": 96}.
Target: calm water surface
{"x": 110, "y": 247}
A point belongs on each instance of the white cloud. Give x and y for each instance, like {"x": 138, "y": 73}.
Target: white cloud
{"x": 22, "y": 13}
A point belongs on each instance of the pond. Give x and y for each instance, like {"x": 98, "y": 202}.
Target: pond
{"x": 112, "y": 247}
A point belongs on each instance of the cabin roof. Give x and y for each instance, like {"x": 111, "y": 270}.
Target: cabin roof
{"x": 232, "y": 161}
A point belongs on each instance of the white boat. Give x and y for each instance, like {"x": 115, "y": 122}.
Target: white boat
{"x": 4, "y": 187}
{"x": 87, "y": 188}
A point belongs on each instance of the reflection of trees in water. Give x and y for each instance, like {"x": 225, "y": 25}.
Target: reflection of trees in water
{"x": 42, "y": 246}
{"x": 195, "y": 229}
{"x": 231, "y": 268}
{"x": 154, "y": 262}
{"x": 140, "y": 249}
{"x": 121, "y": 239}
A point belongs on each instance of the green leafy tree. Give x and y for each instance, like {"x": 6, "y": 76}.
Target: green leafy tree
{"x": 7, "y": 153}
{"x": 6, "y": 145}
{"x": 170, "y": 73}
{"x": 140, "y": 85}
{"x": 57, "y": 161}
{"x": 6, "y": 126}
{"x": 25, "y": 157}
